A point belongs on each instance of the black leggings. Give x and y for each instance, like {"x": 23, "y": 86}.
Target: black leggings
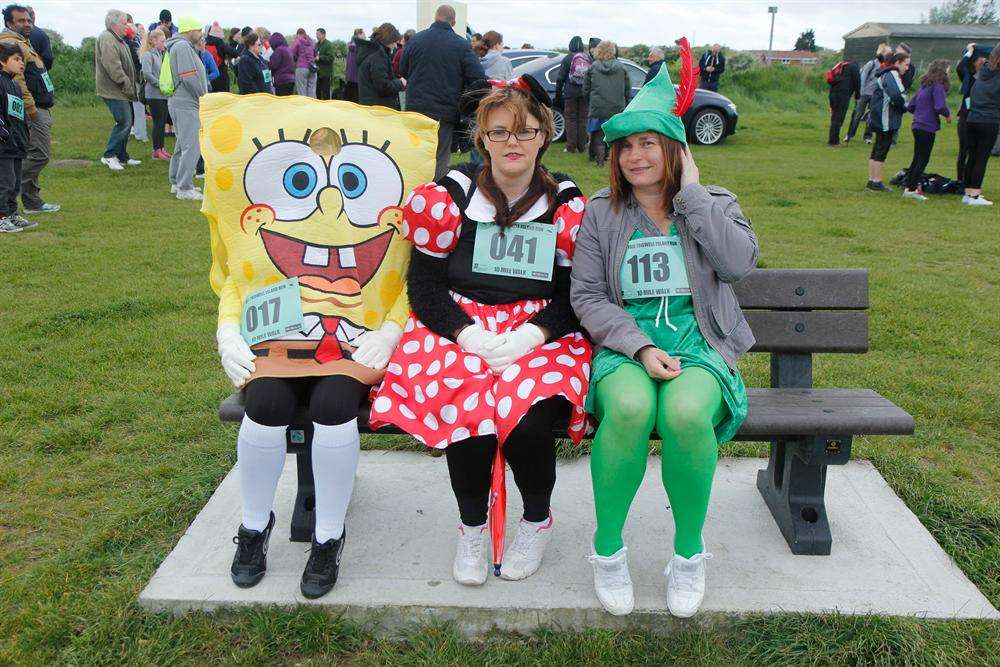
{"x": 332, "y": 400}
{"x": 531, "y": 452}
{"x": 923, "y": 144}
{"x": 284, "y": 89}
{"x": 159, "y": 110}
{"x": 981, "y": 137}
{"x": 963, "y": 147}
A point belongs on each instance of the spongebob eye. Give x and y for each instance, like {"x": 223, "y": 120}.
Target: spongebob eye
{"x": 368, "y": 179}
{"x": 352, "y": 180}
{"x": 287, "y": 177}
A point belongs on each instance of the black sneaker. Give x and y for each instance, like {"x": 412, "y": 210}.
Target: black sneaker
{"x": 250, "y": 561}
{"x": 321, "y": 571}
{"x": 878, "y": 186}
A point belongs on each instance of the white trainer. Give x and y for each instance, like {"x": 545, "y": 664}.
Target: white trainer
{"x": 112, "y": 163}
{"x": 612, "y": 582}
{"x": 525, "y": 554}
{"x": 133, "y": 163}
{"x": 976, "y": 201}
{"x": 190, "y": 194}
{"x": 913, "y": 194}
{"x": 470, "y": 566}
{"x": 686, "y": 584}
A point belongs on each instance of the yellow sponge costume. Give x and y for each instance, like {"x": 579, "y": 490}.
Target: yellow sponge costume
{"x": 297, "y": 187}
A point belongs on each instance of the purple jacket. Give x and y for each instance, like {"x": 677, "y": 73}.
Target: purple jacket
{"x": 282, "y": 63}
{"x": 351, "y": 68}
{"x": 304, "y": 51}
{"x": 929, "y": 102}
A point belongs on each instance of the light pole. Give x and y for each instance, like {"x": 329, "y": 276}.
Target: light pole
{"x": 772, "y": 10}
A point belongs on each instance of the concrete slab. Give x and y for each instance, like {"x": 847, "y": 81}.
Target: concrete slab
{"x": 396, "y": 567}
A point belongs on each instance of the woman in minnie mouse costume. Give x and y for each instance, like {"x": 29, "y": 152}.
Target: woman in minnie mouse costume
{"x": 492, "y": 355}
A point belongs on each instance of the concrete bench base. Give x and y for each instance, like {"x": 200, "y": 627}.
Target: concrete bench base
{"x": 397, "y": 563}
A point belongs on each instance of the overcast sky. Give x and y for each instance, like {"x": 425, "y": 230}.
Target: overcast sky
{"x": 543, "y": 23}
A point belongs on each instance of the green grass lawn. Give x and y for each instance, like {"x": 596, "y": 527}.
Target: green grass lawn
{"x": 110, "y": 445}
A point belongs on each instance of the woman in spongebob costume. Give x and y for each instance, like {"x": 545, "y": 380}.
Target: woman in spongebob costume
{"x": 307, "y": 193}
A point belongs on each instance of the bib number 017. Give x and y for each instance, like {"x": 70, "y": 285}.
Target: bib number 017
{"x": 272, "y": 312}
{"x": 263, "y": 314}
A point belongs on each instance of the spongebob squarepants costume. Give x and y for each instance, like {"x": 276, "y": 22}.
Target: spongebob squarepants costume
{"x": 313, "y": 190}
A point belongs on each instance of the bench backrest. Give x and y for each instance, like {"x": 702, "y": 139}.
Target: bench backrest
{"x": 796, "y": 312}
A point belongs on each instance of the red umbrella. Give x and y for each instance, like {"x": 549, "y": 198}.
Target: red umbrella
{"x": 498, "y": 508}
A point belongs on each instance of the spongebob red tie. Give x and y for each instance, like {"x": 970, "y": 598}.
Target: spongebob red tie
{"x": 329, "y": 346}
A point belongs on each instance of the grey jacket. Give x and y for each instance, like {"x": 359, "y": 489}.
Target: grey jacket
{"x": 719, "y": 248}
{"x": 152, "y": 60}
{"x": 190, "y": 80}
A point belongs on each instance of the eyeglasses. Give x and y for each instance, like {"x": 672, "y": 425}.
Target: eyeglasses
{"x": 524, "y": 134}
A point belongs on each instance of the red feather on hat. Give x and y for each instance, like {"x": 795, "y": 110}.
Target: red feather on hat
{"x": 688, "y": 76}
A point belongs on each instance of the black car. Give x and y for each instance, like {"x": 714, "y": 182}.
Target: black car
{"x": 711, "y": 118}
{"x": 518, "y": 57}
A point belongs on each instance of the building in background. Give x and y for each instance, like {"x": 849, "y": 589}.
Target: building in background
{"x": 927, "y": 41}
{"x": 797, "y": 58}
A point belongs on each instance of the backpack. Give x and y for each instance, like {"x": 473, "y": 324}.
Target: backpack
{"x": 214, "y": 52}
{"x": 166, "y": 76}
{"x": 836, "y": 73}
{"x": 578, "y": 68}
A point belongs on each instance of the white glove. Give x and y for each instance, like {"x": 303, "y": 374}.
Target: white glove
{"x": 507, "y": 348}
{"x": 237, "y": 358}
{"x": 375, "y": 347}
{"x": 473, "y": 338}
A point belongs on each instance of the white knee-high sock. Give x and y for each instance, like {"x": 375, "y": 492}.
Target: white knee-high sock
{"x": 335, "y": 451}
{"x": 260, "y": 451}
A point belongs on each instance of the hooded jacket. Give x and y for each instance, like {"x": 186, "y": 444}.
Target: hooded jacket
{"x": 868, "y": 74}
{"x": 16, "y": 144}
{"x": 984, "y": 102}
{"x": 250, "y": 74}
{"x": 282, "y": 62}
{"x": 304, "y": 51}
{"x": 888, "y": 101}
{"x": 607, "y": 86}
{"x": 497, "y": 66}
{"x": 32, "y": 82}
{"x": 188, "y": 70}
{"x": 152, "y": 61}
{"x": 438, "y": 65}
{"x": 114, "y": 72}
{"x": 376, "y": 85}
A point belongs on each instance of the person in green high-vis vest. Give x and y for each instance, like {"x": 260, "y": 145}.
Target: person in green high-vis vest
{"x": 656, "y": 257}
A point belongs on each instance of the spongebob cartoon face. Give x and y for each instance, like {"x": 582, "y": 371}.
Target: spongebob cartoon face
{"x": 322, "y": 189}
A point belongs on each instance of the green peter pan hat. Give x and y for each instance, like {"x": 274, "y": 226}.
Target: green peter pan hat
{"x": 657, "y": 107}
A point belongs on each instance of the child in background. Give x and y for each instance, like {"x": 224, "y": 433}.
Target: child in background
{"x": 929, "y": 103}
{"x": 13, "y": 138}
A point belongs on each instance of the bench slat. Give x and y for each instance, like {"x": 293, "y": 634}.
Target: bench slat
{"x": 804, "y": 289}
{"x": 772, "y": 413}
{"x": 805, "y": 331}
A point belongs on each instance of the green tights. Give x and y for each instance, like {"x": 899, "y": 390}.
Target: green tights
{"x": 685, "y": 411}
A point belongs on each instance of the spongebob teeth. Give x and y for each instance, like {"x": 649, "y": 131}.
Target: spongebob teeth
{"x": 316, "y": 256}
{"x": 347, "y": 259}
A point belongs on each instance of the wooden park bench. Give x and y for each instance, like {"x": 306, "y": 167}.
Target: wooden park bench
{"x": 794, "y": 313}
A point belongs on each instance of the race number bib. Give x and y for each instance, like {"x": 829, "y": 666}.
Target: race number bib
{"x": 15, "y": 107}
{"x": 267, "y": 76}
{"x": 48, "y": 82}
{"x": 271, "y": 312}
{"x": 523, "y": 250}
{"x": 654, "y": 267}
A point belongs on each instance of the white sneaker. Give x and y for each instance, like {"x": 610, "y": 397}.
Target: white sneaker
{"x": 470, "y": 566}
{"x": 976, "y": 201}
{"x": 913, "y": 194}
{"x": 8, "y": 227}
{"x": 686, "y": 584}
{"x": 46, "y": 208}
{"x": 133, "y": 163}
{"x": 192, "y": 194}
{"x": 112, "y": 163}
{"x": 525, "y": 554}
{"x": 23, "y": 223}
{"x": 612, "y": 582}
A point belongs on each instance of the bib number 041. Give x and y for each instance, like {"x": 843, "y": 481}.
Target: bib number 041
{"x": 523, "y": 250}
{"x": 272, "y": 312}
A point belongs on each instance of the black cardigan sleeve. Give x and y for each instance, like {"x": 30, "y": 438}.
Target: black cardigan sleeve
{"x": 427, "y": 287}
{"x": 558, "y": 317}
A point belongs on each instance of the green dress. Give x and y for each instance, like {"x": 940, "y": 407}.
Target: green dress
{"x": 686, "y": 344}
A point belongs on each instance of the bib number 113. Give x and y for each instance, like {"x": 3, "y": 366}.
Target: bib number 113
{"x": 654, "y": 267}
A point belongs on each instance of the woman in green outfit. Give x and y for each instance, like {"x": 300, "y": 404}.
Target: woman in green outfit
{"x": 651, "y": 283}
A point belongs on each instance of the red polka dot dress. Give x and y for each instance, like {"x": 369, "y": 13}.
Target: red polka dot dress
{"x": 436, "y": 391}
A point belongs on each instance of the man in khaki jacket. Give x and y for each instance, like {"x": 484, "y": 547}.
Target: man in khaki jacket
{"x": 115, "y": 82}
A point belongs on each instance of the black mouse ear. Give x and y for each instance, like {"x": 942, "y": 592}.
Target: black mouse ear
{"x": 469, "y": 101}
{"x": 536, "y": 90}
